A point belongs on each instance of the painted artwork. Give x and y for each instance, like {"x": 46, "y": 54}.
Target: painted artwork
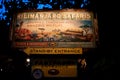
{"x": 64, "y": 28}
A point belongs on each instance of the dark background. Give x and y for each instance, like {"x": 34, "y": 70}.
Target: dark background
{"x": 102, "y": 62}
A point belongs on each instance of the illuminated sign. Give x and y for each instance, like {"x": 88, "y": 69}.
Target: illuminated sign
{"x": 54, "y": 29}
{"x": 53, "y": 51}
{"x": 56, "y": 70}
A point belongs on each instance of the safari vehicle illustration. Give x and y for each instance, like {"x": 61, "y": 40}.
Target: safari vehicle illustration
{"x": 55, "y": 40}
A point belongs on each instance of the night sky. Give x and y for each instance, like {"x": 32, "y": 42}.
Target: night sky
{"x": 104, "y": 60}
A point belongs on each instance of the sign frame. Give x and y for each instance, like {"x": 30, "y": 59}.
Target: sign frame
{"x": 24, "y": 19}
